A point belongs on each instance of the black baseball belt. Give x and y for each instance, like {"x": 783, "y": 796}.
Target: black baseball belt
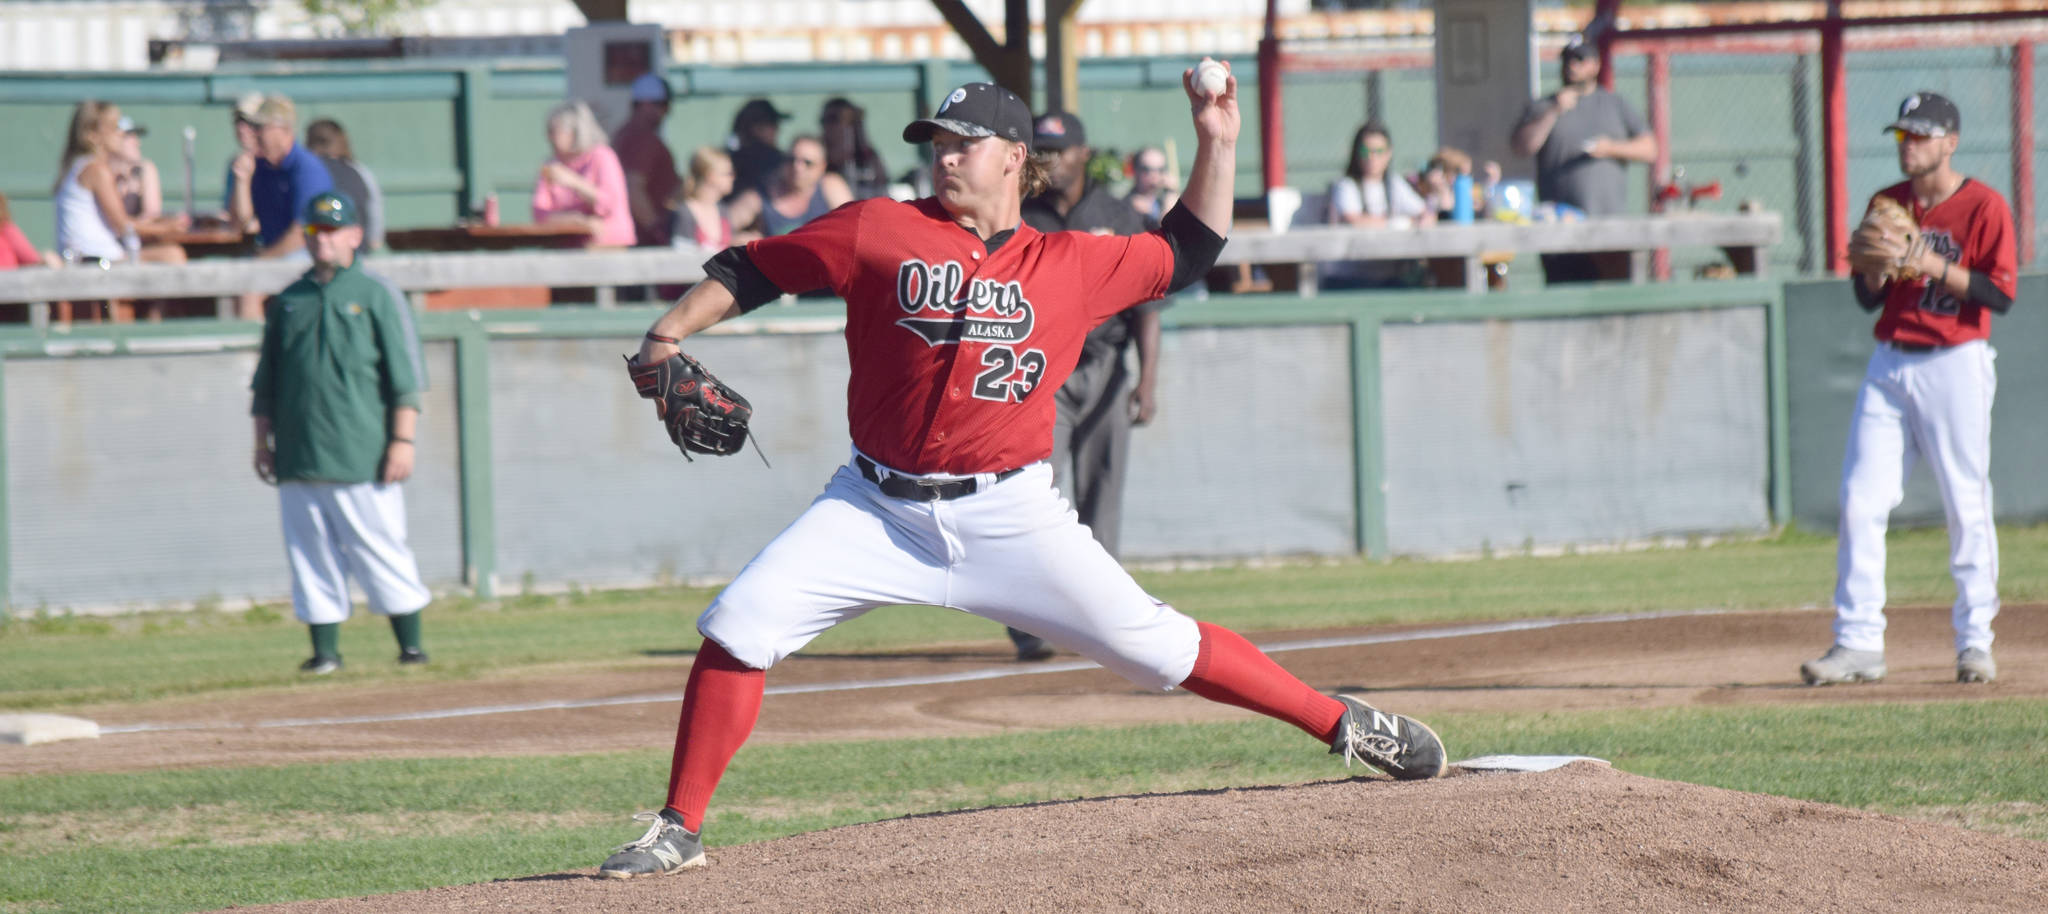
{"x": 1915, "y": 348}
{"x": 923, "y": 488}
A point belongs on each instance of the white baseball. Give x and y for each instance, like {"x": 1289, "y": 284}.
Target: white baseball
{"x": 1211, "y": 77}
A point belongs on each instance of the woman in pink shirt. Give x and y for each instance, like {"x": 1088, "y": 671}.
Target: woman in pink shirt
{"x": 15, "y": 250}
{"x": 583, "y": 182}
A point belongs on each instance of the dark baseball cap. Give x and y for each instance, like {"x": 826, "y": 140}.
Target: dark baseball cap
{"x": 1927, "y": 114}
{"x": 759, "y": 110}
{"x": 1058, "y": 130}
{"x": 1577, "y": 46}
{"x": 976, "y": 109}
{"x": 331, "y": 209}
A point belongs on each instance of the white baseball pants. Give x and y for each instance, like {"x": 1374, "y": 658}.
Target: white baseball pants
{"x": 1935, "y": 406}
{"x": 1011, "y": 553}
{"x": 334, "y": 531}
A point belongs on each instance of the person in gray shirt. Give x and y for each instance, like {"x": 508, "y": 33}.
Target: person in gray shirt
{"x": 1583, "y": 137}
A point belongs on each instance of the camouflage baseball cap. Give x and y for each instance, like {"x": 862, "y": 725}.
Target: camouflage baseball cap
{"x": 976, "y": 109}
{"x": 331, "y": 209}
{"x": 1927, "y": 114}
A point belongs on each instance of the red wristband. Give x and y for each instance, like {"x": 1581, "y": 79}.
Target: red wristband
{"x": 663, "y": 339}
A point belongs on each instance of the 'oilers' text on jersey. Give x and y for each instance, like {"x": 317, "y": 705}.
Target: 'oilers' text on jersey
{"x": 956, "y": 350}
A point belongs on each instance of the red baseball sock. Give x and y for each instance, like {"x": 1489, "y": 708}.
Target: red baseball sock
{"x": 1231, "y": 670}
{"x": 719, "y": 709}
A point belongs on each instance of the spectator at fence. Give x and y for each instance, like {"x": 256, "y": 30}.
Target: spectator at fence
{"x": 1583, "y": 138}
{"x": 336, "y": 401}
{"x": 848, "y": 154}
{"x": 329, "y": 141}
{"x": 242, "y": 165}
{"x": 135, "y": 176}
{"x": 756, "y": 145}
{"x": 583, "y": 182}
{"x": 651, "y": 180}
{"x": 701, "y": 219}
{"x": 1152, "y": 189}
{"x": 1438, "y": 182}
{"x": 142, "y": 192}
{"x": 92, "y": 222}
{"x": 281, "y": 177}
{"x": 15, "y": 250}
{"x": 800, "y": 191}
{"x": 1372, "y": 195}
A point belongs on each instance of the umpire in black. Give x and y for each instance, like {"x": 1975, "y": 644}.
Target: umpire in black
{"x": 1099, "y": 404}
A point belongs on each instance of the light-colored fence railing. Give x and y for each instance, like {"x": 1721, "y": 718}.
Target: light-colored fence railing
{"x": 1744, "y": 236}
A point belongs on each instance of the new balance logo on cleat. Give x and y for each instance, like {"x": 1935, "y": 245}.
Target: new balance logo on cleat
{"x": 1400, "y": 746}
{"x": 665, "y": 848}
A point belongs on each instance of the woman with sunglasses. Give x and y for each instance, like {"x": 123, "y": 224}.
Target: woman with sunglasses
{"x": 1372, "y": 195}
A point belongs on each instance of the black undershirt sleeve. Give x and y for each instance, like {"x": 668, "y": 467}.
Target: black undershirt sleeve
{"x": 1194, "y": 246}
{"x": 1867, "y": 298}
{"x": 1990, "y": 296}
{"x": 734, "y": 270}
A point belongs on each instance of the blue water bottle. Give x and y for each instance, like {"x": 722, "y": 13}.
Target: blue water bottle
{"x": 1461, "y": 199}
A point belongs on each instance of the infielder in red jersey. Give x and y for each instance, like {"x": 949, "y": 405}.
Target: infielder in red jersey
{"x": 1927, "y": 394}
{"x": 961, "y": 324}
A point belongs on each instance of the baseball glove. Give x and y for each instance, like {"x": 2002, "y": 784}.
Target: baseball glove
{"x": 700, "y": 412}
{"x": 1888, "y": 241}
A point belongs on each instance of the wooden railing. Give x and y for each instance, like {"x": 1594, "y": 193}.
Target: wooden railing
{"x": 1744, "y": 236}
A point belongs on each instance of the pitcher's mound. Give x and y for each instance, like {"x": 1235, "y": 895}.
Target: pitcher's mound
{"x": 1583, "y": 837}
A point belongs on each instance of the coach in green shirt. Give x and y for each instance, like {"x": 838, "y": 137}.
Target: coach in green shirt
{"x": 335, "y": 399}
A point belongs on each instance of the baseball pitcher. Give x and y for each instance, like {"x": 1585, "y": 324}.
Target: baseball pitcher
{"x": 961, "y": 323}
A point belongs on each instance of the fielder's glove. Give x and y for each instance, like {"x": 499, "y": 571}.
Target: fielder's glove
{"x": 1888, "y": 242}
{"x": 700, "y": 412}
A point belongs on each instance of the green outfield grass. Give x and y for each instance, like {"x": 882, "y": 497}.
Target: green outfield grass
{"x": 199, "y": 839}
{"x": 50, "y": 663}
{"x": 190, "y": 840}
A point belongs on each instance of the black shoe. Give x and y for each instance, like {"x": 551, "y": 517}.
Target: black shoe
{"x": 320, "y": 666}
{"x": 411, "y": 655}
{"x": 1400, "y": 746}
{"x": 1030, "y": 647}
{"x": 665, "y": 848}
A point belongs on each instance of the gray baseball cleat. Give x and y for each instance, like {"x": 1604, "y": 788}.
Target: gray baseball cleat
{"x": 320, "y": 665}
{"x": 1401, "y": 746}
{"x": 1974, "y": 664}
{"x": 1841, "y": 664}
{"x": 666, "y": 847}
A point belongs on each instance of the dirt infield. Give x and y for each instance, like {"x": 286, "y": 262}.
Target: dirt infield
{"x": 1583, "y": 839}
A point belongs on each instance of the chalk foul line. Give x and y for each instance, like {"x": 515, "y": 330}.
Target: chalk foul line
{"x": 986, "y": 673}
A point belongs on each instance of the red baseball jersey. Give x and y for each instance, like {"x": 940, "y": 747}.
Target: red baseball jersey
{"x": 956, "y": 350}
{"x": 1973, "y": 228}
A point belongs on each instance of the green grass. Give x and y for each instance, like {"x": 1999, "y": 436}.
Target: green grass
{"x": 50, "y": 663}
{"x": 208, "y": 838}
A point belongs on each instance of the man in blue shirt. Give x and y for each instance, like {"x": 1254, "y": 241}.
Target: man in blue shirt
{"x": 284, "y": 178}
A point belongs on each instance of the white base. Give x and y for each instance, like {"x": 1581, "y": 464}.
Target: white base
{"x": 30, "y": 729}
{"x": 1523, "y": 762}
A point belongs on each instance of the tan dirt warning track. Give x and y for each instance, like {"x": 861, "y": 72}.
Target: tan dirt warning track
{"x": 1586, "y": 838}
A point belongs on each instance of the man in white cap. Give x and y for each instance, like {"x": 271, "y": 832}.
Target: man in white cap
{"x": 651, "y": 181}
